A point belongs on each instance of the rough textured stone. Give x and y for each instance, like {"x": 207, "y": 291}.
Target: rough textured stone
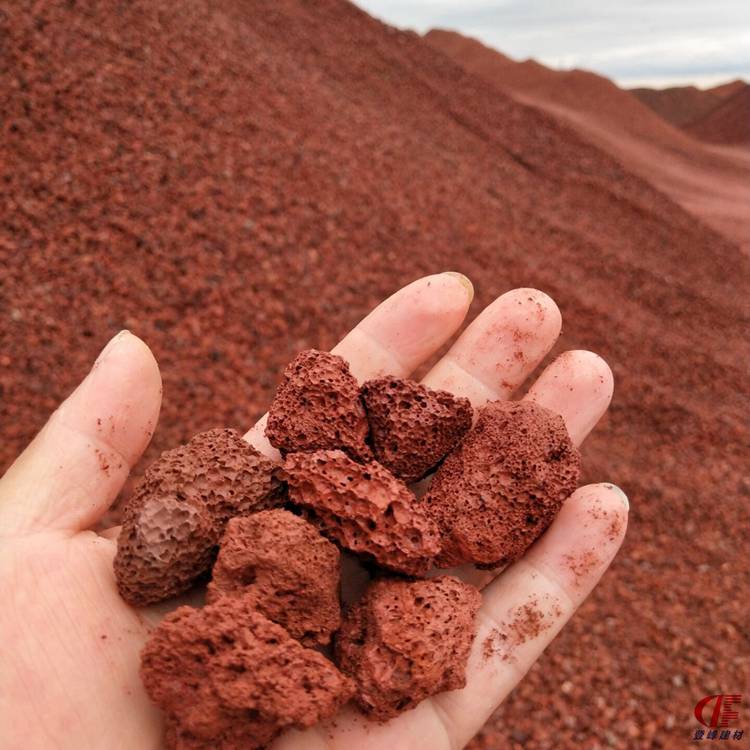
{"x": 227, "y": 677}
{"x": 284, "y": 567}
{"x": 318, "y": 407}
{"x": 364, "y": 508}
{"x": 412, "y": 428}
{"x": 503, "y": 486}
{"x": 177, "y": 513}
{"x": 407, "y": 640}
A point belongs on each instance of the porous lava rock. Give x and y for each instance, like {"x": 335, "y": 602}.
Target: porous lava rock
{"x": 503, "y": 486}
{"x": 281, "y": 564}
{"x": 412, "y": 428}
{"x": 407, "y": 640}
{"x": 318, "y": 407}
{"x": 364, "y": 508}
{"x": 227, "y": 677}
{"x": 175, "y": 517}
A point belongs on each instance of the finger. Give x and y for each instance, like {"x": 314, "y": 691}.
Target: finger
{"x": 500, "y": 349}
{"x": 76, "y": 465}
{"x": 578, "y": 386}
{"x": 398, "y": 335}
{"x": 525, "y": 608}
{"x": 111, "y": 533}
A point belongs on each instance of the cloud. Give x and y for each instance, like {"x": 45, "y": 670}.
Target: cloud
{"x": 655, "y": 41}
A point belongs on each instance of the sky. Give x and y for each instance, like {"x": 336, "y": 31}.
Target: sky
{"x": 635, "y": 42}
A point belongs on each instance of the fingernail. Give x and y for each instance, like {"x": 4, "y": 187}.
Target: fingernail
{"x": 622, "y": 495}
{"x": 464, "y": 281}
{"x": 113, "y": 342}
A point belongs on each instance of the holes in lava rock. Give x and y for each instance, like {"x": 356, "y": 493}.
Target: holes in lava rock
{"x": 248, "y": 576}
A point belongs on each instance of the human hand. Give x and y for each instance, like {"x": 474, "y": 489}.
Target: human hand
{"x": 69, "y": 665}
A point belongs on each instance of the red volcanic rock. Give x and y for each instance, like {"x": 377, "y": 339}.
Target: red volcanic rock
{"x": 317, "y": 407}
{"x": 227, "y": 677}
{"x": 501, "y": 488}
{"x": 286, "y": 569}
{"x": 177, "y": 513}
{"x": 407, "y": 640}
{"x": 364, "y": 508}
{"x": 413, "y": 427}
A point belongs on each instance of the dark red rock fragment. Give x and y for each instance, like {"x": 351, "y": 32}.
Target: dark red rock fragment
{"x": 283, "y": 566}
{"x": 503, "y": 486}
{"x": 318, "y": 407}
{"x": 364, "y": 508}
{"x": 174, "y": 519}
{"x": 412, "y": 428}
{"x": 407, "y": 640}
{"x": 227, "y": 677}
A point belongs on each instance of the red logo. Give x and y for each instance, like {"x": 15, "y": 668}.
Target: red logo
{"x": 722, "y": 714}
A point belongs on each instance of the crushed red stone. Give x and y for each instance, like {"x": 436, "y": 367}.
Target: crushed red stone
{"x": 503, "y": 486}
{"x": 136, "y": 191}
{"x": 364, "y": 508}
{"x": 412, "y": 428}
{"x": 175, "y": 517}
{"x": 286, "y": 569}
{"x": 727, "y": 122}
{"x": 407, "y": 640}
{"x": 318, "y": 407}
{"x": 227, "y": 677}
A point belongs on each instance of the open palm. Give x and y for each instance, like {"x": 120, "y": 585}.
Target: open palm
{"x": 70, "y": 655}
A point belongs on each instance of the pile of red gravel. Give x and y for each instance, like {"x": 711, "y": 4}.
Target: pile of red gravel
{"x": 728, "y": 122}
{"x": 239, "y": 180}
{"x": 713, "y": 185}
{"x": 682, "y": 105}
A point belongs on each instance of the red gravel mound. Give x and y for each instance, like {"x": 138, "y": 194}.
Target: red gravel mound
{"x": 318, "y": 407}
{"x": 504, "y": 484}
{"x": 177, "y": 514}
{"x": 405, "y": 641}
{"x": 713, "y": 185}
{"x": 237, "y": 181}
{"x": 679, "y": 105}
{"x": 364, "y": 508}
{"x": 223, "y": 687}
{"x": 285, "y": 568}
{"x": 413, "y": 427}
{"x": 728, "y": 122}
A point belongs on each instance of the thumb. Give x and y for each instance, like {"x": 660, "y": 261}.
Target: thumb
{"x": 74, "y": 468}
